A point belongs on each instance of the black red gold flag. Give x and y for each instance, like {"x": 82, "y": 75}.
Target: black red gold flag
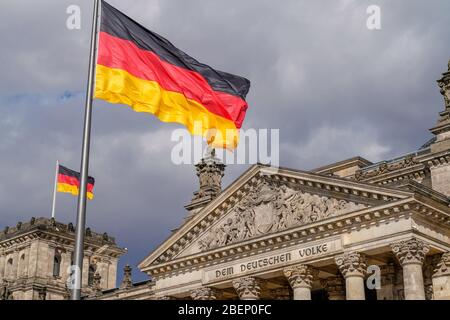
{"x": 69, "y": 182}
{"x": 139, "y": 68}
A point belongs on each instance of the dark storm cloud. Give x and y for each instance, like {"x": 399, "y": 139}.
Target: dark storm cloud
{"x": 334, "y": 88}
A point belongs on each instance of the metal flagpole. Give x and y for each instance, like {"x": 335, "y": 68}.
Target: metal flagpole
{"x": 55, "y": 189}
{"x": 81, "y": 212}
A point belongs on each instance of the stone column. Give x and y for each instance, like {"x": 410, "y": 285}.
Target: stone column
{"x": 248, "y": 288}
{"x": 300, "y": 278}
{"x": 335, "y": 287}
{"x": 353, "y": 267}
{"x": 411, "y": 254}
{"x": 206, "y": 293}
{"x": 441, "y": 278}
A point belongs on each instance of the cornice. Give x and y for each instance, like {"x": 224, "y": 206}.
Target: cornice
{"x": 415, "y": 172}
{"x": 59, "y": 238}
{"x": 344, "y": 164}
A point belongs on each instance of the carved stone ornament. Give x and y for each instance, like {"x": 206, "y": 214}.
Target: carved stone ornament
{"x": 410, "y": 251}
{"x": 248, "y": 287}
{"x": 443, "y": 266}
{"x": 352, "y": 264}
{"x": 127, "y": 281}
{"x": 206, "y": 293}
{"x": 210, "y": 172}
{"x": 384, "y": 167}
{"x": 271, "y": 207}
{"x": 444, "y": 86}
{"x": 299, "y": 276}
{"x": 96, "y": 286}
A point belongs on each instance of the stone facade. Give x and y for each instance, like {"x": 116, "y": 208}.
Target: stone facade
{"x": 35, "y": 257}
{"x": 305, "y": 235}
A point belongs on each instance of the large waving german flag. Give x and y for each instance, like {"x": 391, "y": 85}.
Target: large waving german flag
{"x": 69, "y": 182}
{"x": 139, "y": 68}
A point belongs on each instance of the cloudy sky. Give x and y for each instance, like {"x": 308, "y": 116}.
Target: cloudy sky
{"x": 334, "y": 89}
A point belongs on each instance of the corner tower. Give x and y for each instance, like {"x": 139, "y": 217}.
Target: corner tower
{"x": 35, "y": 257}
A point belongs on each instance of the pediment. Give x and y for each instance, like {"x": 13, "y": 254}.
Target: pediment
{"x": 269, "y": 207}
{"x": 262, "y": 202}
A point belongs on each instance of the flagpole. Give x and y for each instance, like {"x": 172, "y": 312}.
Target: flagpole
{"x": 55, "y": 189}
{"x": 81, "y": 212}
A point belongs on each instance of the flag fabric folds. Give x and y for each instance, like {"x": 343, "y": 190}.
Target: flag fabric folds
{"x": 139, "y": 68}
{"x": 69, "y": 182}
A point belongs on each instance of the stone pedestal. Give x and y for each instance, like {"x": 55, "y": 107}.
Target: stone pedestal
{"x": 411, "y": 254}
{"x": 248, "y": 288}
{"x": 441, "y": 278}
{"x": 206, "y": 293}
{"x": 353, "y": 268}
{"x": 300, "y": 278}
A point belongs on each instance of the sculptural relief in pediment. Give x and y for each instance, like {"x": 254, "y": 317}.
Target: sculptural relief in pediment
{"x": 271, "y": 207}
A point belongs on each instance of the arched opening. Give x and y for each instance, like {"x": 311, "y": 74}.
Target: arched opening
{"x": 57, "y": 265}
{"x": 9, "y": 268}
{"x": 22, "y": 266}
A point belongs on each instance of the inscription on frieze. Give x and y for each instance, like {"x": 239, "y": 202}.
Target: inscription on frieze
{"x": 271, "y": 261}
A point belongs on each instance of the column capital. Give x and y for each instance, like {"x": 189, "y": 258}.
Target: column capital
{"x": 352, "y": 264}
{"x": 443, "y": 266}
{"x": 412, "y": 251}
{"x": 206, "y": 293}
{"x": 248, "y": 287}
{"x": 300, "y": 275}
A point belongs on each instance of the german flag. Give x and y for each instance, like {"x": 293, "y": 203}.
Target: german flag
{"x": 69, "y": 182}
{"x": 139, "y": 68}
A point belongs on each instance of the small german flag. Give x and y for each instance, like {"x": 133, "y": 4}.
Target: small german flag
{"x": 139, "y": 68}
{"x": 69, "y": 182}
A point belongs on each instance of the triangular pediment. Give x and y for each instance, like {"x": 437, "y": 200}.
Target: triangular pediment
{"x": 266, "y": 201}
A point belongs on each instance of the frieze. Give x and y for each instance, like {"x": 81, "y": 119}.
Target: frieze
{"x": 270, "y": 207}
